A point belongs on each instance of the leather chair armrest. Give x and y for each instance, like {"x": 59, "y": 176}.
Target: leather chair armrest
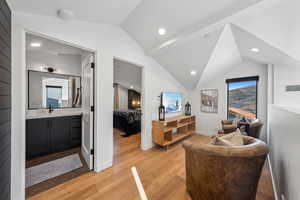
{"x": 229, "y": 128}
{"x": 227, "y": 122}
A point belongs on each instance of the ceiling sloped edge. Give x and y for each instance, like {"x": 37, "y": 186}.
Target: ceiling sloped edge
{"x": 268, "y": 54}
{"x": 225, "y": 55}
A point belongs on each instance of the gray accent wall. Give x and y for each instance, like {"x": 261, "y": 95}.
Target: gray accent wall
{"x": 5, "y": 101}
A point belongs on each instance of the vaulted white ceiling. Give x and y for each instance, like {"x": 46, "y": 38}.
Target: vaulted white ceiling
{"x": 107, "y": 11}
{"x": 216, "y": 52}
{"x": 267, "y": 54}
{"x": 204, "y": 36}
{"x": 275, "y": 22}
{"x": 190, "y": 56}
{"x": 225, "y": 55}
{"x": 177, "y": 17}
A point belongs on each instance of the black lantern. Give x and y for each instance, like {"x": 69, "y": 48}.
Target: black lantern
{"x": 161, "y": 110}
{"x": 188, "y": 109}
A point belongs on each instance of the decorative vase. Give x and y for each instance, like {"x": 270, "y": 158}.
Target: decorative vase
{"x": 188, "y": 109}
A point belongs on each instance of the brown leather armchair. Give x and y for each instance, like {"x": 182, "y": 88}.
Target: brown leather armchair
{"x": 228, "y": 127}
{"x": 251, "y": 129}
{"x": 224, "y": 173}
{"x": 254, "y": 129}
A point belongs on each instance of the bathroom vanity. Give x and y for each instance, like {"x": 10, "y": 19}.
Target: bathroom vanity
{"x": 52, "y": 135}
{"x": 54, "y": 117}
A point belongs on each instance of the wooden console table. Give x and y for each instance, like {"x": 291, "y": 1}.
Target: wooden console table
{"x": 173, "y": 129}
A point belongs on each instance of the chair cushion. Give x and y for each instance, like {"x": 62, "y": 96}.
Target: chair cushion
{"x": 232, "y": 139}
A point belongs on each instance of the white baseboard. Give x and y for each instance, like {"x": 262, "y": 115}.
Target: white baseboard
{"x": 146, "y": 147}
{"x": 104, "y": 166}
{"x": 273, "y": 180}
{"x": 206, "y": 132}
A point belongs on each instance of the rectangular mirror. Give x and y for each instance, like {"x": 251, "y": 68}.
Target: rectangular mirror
{"x": 53, "y": 90}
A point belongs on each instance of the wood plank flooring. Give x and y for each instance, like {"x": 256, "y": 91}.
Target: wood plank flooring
{"x": 162, "y": 174}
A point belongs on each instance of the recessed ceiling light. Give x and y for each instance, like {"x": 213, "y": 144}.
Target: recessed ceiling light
{"x": 162, "y": 31}
{"x": 66, "y": 14}
{"x": 255, "y": 50}
{"x": 131, "y": 87}
{"x": 193, "y": 72}
{"x": 35, "y": 44}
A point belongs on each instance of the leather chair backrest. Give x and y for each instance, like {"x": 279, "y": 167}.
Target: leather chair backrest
{"x": 255, "y": 129}
{"x": 224, "y": 173}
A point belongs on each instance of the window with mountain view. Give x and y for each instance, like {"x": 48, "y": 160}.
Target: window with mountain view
{"x": 242, "y": 97}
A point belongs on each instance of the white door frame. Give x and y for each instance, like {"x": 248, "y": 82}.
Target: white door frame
{"x": 143, "y": 102}
{"x": 25, "y": 88}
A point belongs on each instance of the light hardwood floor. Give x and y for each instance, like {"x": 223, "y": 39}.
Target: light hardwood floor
{"x": 162, "y": 174}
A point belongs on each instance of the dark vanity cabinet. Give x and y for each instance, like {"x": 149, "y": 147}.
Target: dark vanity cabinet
{"x": 60, "y": 134}
{"x": 37, "y": 137}
{"x": 52, "y": 135}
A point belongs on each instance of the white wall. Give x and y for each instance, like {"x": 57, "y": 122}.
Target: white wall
{"x": 108, "y": 41}
{"x": 65, "y": 64}
{"x": 283, "y": 76}
{"x": 284, "y": 150}
{"x": 123, "y": 97}
{"x": 127, "y": 74}
{"x": 283, "y": 129}
{"x": 159, "y": 84}
{"x": 209, "y": 123}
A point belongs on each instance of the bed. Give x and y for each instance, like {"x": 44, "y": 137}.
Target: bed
{"x": 128, "y": 121}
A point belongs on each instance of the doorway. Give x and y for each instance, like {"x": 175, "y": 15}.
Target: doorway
{"x": 59, "y": 112}
{"x": 128, "y": 107}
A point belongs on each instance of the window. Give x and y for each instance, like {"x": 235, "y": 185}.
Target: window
{"x": 54, "y": 96}
{"x": 59, "y": 92}
{"x": 242, "y": 97}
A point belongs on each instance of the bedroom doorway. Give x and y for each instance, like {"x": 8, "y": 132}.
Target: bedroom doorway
{"x": 127, "y": 116}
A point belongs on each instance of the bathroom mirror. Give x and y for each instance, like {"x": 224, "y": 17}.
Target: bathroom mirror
{"x": 47, "y": 90}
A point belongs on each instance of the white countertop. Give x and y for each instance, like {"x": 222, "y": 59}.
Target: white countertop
{"x": 44, "y": 113}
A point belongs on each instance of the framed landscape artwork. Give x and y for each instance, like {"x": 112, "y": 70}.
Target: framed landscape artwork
{"x": 209, "y": 101}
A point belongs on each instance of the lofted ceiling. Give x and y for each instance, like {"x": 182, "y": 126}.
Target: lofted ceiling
{"x": 216, "y": 53}
{"x": 276, "y": 22}
{"x": 267, "y": 54}
{"x": 193, "y": 55}
{"x": 225, "y": 55}
{"x": 177, "y": 17}
{"x": 203, "y": 36}
{"x": 107, "y": 11}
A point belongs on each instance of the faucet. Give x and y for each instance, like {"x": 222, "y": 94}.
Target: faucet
{"x": 50, "y": 109}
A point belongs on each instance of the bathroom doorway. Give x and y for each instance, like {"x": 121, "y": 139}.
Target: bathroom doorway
{"x": 59, "y": 113}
